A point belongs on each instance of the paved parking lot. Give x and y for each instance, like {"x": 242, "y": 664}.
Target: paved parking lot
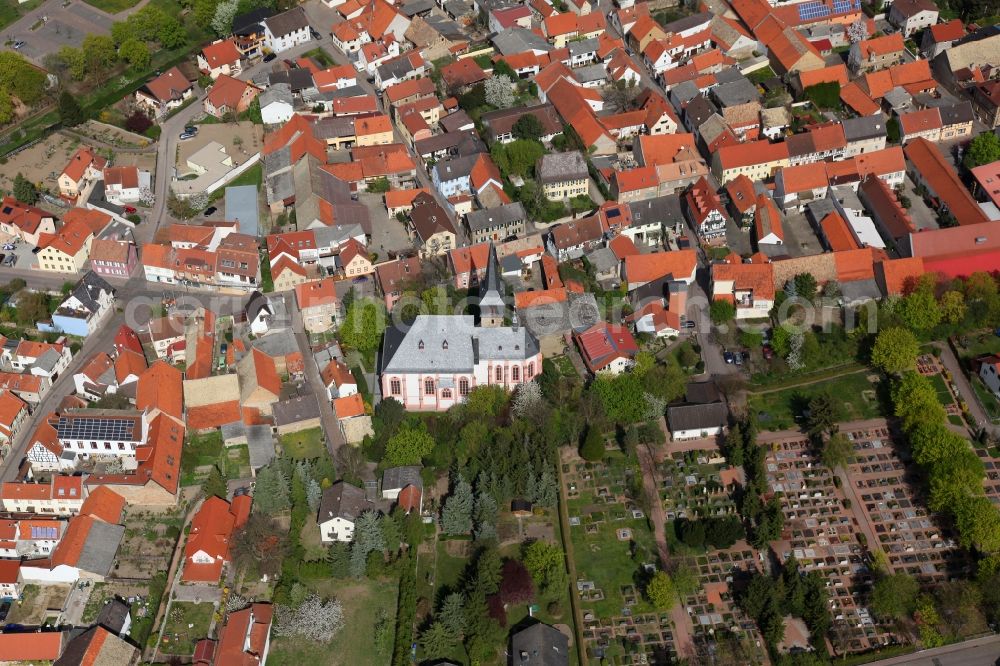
{"x": 923, "y": 217}
{"x": 800, "y": 239}
{"x": 25, "y": 258}
{"x": 388, "y": 233}
{"x": 65, "y": 26}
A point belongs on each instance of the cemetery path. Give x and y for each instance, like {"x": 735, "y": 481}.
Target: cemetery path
{"x": 683, "y": 642}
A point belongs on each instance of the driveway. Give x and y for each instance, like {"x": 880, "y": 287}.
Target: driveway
{"x": 949, "y": 361}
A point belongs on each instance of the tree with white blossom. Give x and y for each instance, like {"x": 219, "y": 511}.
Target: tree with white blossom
{"x": 225, "y": 12}
{"x": 314, "y": 619}
{"x": 858, "y": 31}
{"x": 527, "y": 398}
{"x": 498, "y": 91}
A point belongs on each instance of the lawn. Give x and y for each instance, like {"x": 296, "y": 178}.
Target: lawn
{"x": 320, "y": 55}
{"x": 565, "y": 366}
{"x": 252, "y": 176}
{"x": 186, "y": 624}
{"x": 600, "y": 556}
{"x": 112, "y": 6}
{"x": 975, "y": 345}
{"x": 944, "y": 395}
{"x": 367, "y": 605}
{"x": 306, "y": 444}
{"x": 10, "y": 10}
{"x": 986, "y": 399}
{"x": 777, "y": 410}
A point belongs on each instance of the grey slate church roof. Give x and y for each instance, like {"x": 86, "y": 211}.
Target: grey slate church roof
{"x": 451, "y": 343}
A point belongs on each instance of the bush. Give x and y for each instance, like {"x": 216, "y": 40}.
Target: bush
{"x": 138, "y": 122}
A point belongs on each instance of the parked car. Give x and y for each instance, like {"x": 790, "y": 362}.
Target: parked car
{"x": 18, "y": 44}
{"x": 269, "y": 57}
{"x": 4, "y": 609}
{"x": 193, "y": 129}
{"x": 130, "y": 209}
{"x": 210, "y": 210}
{"x": 737, "y": 358}
{"x": 186, "y": 135}
{"x": 10, "y": 260}
{"x": 8, "y": 246}
{"x": 688, "y": 323}
{"x": 768, "y": 352}
{"x": 728, "y": 357}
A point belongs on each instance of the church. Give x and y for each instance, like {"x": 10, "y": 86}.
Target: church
{"x": 437, "y": 360}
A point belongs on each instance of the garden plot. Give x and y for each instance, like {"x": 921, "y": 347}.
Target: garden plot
{"x": 613, "y": 550}
{"x": 41, "y": 163}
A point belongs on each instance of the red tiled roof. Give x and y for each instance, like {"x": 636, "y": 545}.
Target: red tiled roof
{"x": 529, "y": 299}
{"x": 602, "y": 343}
{"x": 31, "y": 647}
{"x": 82, "y": 158}
{"x": 898, "y": 275}
{"x": 211, "y": 531}
{"x": 219, "y": 414}
{"x": 928, "y": 161}
{"x": 855, "y": 264}
{"x": 169, "y": 85}
{"x": 313, "y": 294}
{"x": 161, "y": 387}
{"x": 758, "y": 278}
{"x": 10, "y": 407}
{"x": 221, "y": 53}
{"x": 648, "y": 267}
{"x": 838, "y": 236}
{"x": 104, "y": 504}
{"x": 349, "y": 407}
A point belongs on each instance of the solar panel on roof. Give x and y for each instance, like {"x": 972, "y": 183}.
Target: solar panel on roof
{"x": 39, "y": 532}
{"x": 106, "y": 429}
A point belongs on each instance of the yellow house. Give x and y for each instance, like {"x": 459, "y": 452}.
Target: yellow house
{"x": 83, "y": 167}
{"x": 68, "y": 250}
{"x": 286, "y": 274}
{"x": 562, "y": 175}
{"x": 373, "y": 131}
{"x": 354, "y": 259}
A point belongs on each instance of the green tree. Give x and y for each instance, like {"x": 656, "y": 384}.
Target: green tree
{"x": 978, "y": 523}
{"x": 838, "y": 451}
{"x": 271, "y": 490}
{"x": 919, "y": 310}
{"x": 6, "y": 107}
{"x": 805, "y": 286}
{"x": 593, "y": 444}
{"x": 135, "y": 53}
{"x": 517, "y": 157}
{"x": 915, "y": 402}
{"x": 32, "y": 307}
{"x": 456, "y": 516}
{"x": 408, "y": 446}
{"x": 895, "y": 597}
{"x": 824, "y": 413}
{"x": 545, "y": 563}
{"x": 722, "y": 311}
{"x": 172, "y": 34}
{"x": 24, "y": 190}
{"x": 452, "y": 613}
{"x": 952, "y": 306}
{"x": 984, "y": 149}
{"x": 99, "y": 53}
{"x": 528, "y": 127}
{"x": 70, "y": 113}
{"x": 661, "y": 592}
{"x": 21, "y": 79}
{"x": 75, "y": 61}
{"x": 215, "y": 484}
{"x": 686, "y": 580}
{"x": 363, "y": 325}
{"x": 895, "y": 350}
{"x": 437, "y": 640}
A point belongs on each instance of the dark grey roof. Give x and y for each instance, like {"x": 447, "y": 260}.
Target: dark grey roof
{"x": 98, "y": 200}
{"x": 603, "y": 260}
{"x": 81, "y": 649}
{"x": 560, "y": 167}
{"x": 577, "y": 313}
{"x": 688, "y": 22}
{"x": 334, "y": 127}
{"x": 539, "y": 645}
{"x": 401, "y": 477}
{"x": 415, "y": 7}
{"x": 47, "y": 361}
{"x": 100, "y": 547}
{"x": 699, "y": 110}
{"x": 697, "y": 416}
{"x": 397, "y": 68}
{"x": 583, "y": 46}
{"x": 683, "y": 93}
{"x": 255, "y": 304}
{"x": 458, "y": 143}
{"x": 445, "y": 27}
{"x": 519, "y": 40}
{"x": 486, "y": 218}
{"x": 502, "y": 121}
{"x": 244, "y": 24}
{"x": 276, "y": 345}
{"x": 493, "y": 289}
{"x": 663, "y": 210}
{"x": 864, "y": 127}
{"x": 298, "y": 79}
{"x": 342, "y": 500}
{"x": 456, "y": 121}
{"x": 459, "y": 8}
{"x": 728, "y": 75}
{"x": 276, "y": 92}
{"x": 113, "y": 614}
{"x": 702, "y": 393}
{"x": 260, "y": 444}
{"x": 296, "y": 410}
{"x": 88, "y": 290}
{"x": 737, "y": 92}
{"x": 288, "y": 22}
{"x": 859, "y": 291}
{"x": 957, "y": 113}
{"x": 657, "y": 290}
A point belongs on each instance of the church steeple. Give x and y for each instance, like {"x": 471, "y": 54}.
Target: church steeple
{"x": 491, "y": 293}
